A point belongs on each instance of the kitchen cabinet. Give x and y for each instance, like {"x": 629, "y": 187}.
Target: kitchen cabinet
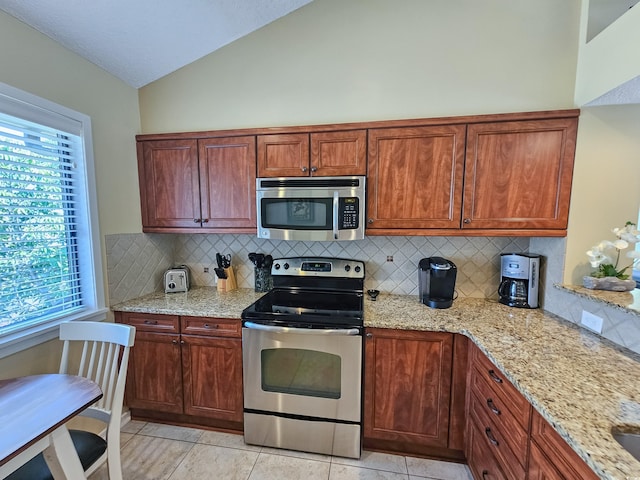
{"x": 506, "y": 438}
{"x": 312, "y": 154}
{"x": 185, "y": 369}
{"x": 492, "y": 175}
{"x": 198, "y": 185}
{"x": 414, "y": 178}
{"x": 518, "y": 174}
{"x": 407, "y": 391}
{"x": 551, "y": 457}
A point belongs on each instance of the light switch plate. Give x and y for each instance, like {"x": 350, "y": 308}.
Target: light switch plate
{"x": 591, "y": 321}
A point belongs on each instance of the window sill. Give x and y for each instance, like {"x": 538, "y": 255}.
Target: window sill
{"x": 30, "y": 337}
{"x": 628, "y": 302}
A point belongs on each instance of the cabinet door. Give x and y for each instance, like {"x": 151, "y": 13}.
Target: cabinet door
{"x": 414, "y": 177}
{"x": 339, "y": 153}
{"x": 551, "y": 457}
{"x": 212, "y": 377}
{"x": 407, "y": 386}
{"x": 285, "y": 155}
{"x": 518, "y": 174}
{"x": 154, "y": 379}
{"x": 169, "y": 186}
{"x": 228, "y": 182}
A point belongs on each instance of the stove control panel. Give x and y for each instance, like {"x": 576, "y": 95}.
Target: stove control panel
{"x": 318, "y": 267}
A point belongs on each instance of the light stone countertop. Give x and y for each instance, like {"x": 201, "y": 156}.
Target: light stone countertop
{"x": 582, "y": 384}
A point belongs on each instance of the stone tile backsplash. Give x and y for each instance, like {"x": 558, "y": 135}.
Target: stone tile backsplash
{"x": 136, "y": 264}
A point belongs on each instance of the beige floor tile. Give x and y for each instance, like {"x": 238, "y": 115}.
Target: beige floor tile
{"x": 423, "y": 467}
{"x": 132, "y": 426}
{"x": 152, "y": 458}
{"x": 171, "y": 431}
{"x": 230, "y": 440}
{"x": 279, "y": 467}
{"x": 375, "y": 461}
{"x": 294, "y": 453}
{"x": 206, "y": 462}
{"x": 347, "y": 472}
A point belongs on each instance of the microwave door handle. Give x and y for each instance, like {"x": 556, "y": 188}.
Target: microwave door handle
{"x": 336, "y": 206}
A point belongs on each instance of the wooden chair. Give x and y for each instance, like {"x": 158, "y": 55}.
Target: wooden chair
{"x": 104, "y": 359}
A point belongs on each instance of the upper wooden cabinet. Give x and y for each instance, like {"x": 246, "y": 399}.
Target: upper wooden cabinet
{"x": 205, "y": 185}
{"x": 518, "y": 174}
{"x": 317, "y": 154}
{"x": 414, "y": 177}
{"x": 516, "y": 170}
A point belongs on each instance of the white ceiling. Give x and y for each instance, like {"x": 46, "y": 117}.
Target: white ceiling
{"x": 140, "y": 41}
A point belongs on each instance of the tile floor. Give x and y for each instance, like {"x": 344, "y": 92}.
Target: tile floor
{"x": 163, "y": 452}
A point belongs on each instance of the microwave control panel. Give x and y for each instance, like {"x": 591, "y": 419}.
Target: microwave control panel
{"x": 348, "y": 213}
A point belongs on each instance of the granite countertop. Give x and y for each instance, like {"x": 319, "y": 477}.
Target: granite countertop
{"x": 582, "y": 384}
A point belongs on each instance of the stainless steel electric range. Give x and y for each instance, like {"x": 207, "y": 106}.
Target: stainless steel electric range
{"x": 302, "y": 358}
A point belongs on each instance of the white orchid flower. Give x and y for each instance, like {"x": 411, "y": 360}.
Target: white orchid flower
{"x": 596, "y": 256}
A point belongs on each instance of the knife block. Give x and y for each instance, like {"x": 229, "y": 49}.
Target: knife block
{"x": 229, "y": 283}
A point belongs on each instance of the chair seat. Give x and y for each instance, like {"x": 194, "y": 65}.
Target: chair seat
{"x": 89, "y": 446}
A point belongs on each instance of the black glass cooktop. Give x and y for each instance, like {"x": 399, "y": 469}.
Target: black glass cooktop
{"x": 312, "y": 308}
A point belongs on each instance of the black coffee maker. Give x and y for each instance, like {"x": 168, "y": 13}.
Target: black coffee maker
{"x": 437, "y": 282}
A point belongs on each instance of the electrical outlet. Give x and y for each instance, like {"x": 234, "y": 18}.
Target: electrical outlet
{"x": 206, "y": 269}
{"x": 389, "y": 258}
{"x": 591, "y": 321}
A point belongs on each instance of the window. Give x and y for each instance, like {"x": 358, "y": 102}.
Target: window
{"x": 50, "y": 265}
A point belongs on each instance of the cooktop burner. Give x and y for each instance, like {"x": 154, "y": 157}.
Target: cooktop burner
{"x": 314, "y": 292}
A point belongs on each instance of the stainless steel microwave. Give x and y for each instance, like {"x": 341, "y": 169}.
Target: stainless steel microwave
{"x": 311, "y": 208}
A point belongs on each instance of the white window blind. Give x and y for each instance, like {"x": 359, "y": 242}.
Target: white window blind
{"x": 50, "y": 256}
{"x": 38, "y": 231}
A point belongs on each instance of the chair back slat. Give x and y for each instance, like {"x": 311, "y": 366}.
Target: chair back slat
{"x": 102, "y": 345}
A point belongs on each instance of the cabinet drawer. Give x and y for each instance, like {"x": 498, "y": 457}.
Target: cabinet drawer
{"x": 506, "y": 436}
{"x": 481, "y": 461}
{"x": 496, "y": 407}
{"x": 501, "y": 389}
{"x": 211, "y": 327}
{"x": 149, "y": 322}
{"x": 497, "y": 443}
{"x": 556, "y": 452}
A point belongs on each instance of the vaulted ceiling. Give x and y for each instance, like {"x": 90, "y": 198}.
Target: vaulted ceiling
{"x": 140, "y": 41}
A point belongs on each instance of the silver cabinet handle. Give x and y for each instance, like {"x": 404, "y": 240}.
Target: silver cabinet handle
{"x": 303, "y": 331}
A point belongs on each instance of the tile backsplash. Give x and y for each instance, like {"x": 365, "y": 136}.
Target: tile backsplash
{"x": 136, "y": 262}
{"x": 136, "y": 265}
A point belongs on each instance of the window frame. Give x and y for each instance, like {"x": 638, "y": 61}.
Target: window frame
{"x": 40, "y": 110}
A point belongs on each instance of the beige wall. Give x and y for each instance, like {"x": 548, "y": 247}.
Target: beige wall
{"x": 606, "y": 181}
{"x": 336, "y": 61}
{"x": 32, "y": 62}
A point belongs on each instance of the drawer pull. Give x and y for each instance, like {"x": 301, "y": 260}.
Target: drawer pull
{"x": 175, "y": 342}
{"x": 207, "y": 325}
{"x": 485, "y": 475}
{"x": 492, "y": 439}
{"x": 150, "y": 322}
{"x": 492, "y": 406}
{"x": 494, "y": 377}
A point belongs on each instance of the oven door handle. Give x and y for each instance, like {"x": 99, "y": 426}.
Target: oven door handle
{"x": 304, "y": 331}
{"x": 336, "y": 210}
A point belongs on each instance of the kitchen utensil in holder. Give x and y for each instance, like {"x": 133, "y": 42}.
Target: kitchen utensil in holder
{"x": 229, "y": 283}
{"x": 263, "y": 279}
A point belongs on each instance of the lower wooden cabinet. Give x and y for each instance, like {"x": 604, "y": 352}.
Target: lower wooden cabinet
{"x": 551, "y": 457}
{"x": 187, "y": 370}
{"x": 407, "y": 391}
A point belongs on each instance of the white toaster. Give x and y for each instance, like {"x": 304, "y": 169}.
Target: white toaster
{"x": 176, "y": 280}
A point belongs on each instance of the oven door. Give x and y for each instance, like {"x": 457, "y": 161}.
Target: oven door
{"x": 306, "y": 372}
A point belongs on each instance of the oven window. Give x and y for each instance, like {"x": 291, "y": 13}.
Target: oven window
{"x": 301, "y": 372}
{"x": 300, "y": 213}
